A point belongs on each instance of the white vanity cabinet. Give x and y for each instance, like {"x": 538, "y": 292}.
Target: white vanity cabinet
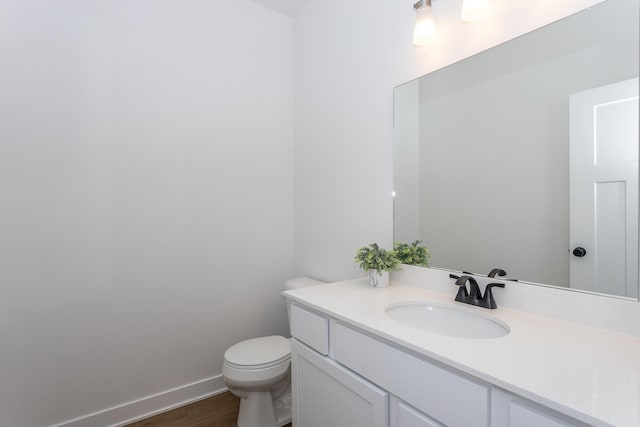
{"x": 345, "y": 377}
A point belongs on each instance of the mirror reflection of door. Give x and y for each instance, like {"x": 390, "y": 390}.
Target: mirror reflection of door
{"x": 604, "y": 189}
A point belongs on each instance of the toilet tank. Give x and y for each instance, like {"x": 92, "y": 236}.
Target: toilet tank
{"x": 297, "y": 283}
{"x": 301, "y": 282}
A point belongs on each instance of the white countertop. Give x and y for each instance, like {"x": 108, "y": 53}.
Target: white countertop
{"x": 587, "y": 373}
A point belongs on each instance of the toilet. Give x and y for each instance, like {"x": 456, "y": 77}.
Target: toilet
{"x": 258, "y": 371}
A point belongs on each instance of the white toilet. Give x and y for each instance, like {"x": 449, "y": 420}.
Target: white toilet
{"x": 258, "y": 371}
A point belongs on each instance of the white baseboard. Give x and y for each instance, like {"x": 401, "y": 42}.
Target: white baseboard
{"x": 139, "y": 409}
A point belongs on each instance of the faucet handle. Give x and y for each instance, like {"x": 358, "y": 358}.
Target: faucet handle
{"x": 497, "y": 271}
{"x": 466, "y": 273}
{"x": 487, "y": 300}
{"x": 461, "y": 281}
{"x": 473, "y": 293}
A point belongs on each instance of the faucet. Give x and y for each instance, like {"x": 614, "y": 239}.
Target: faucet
{"x": 466, "y": 296}
{"x": 474, "y": 296}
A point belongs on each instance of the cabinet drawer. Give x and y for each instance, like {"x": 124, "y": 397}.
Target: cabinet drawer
{"x": 310, "y": 328}
{"x": 447, "y": 397}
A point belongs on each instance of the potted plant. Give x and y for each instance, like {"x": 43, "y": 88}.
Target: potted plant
{"x": 378, "y": 262}
{"x": 412, "y": 254}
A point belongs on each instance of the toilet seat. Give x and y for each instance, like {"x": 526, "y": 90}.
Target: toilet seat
{"x": 259, "y": 353}
{"x": 258, "y": 371}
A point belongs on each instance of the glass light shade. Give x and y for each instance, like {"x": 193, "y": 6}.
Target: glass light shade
{"x": 425, "y": 28}
{"x": 472, "y": 10}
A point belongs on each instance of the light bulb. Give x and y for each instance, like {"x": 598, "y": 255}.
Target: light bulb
{"x": 472, "y": 10}
{"x": 425, "y": 29}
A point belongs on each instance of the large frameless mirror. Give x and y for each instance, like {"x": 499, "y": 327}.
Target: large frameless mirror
{"x": 525, "y": 156}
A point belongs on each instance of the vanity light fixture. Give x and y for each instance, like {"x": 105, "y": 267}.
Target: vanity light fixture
{"x": 425, "y": 28}
{"x": 472, "y": 10}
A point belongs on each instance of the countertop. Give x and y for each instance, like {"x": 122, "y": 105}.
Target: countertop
{"x": 587, "y": 373}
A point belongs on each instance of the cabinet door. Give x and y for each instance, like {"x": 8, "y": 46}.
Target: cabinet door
{"x": 403, "y": 415}
{"x": 325, "y": 394}
{"x": 509, "y": 410}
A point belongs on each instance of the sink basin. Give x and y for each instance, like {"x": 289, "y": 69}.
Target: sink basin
{"x": 447, "y": 320}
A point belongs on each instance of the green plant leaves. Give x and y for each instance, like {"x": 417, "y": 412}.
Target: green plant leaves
{"x": 373, "y": 257}
{"x": 412, "y": 254}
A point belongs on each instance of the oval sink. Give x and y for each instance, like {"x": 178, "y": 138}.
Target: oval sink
{"x": 447, "y": 320}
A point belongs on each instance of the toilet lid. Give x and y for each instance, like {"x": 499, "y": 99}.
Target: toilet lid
{"x": 260, "y": 352}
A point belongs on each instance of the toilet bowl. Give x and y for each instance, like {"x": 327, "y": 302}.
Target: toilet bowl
{"x": 258, "y": 371}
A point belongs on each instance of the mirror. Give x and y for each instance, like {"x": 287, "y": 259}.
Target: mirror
{"x": 525, "y": 156}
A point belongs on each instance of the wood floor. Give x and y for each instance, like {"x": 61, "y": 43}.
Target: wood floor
{"x": 216, "y": 411}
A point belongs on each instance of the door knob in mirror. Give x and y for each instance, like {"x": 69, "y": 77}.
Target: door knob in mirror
{"x": 579, "y": 252}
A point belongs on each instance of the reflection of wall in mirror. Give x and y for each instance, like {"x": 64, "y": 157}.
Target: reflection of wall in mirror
{"x": 494, "y": 146}
{"x": 406, "y": 207}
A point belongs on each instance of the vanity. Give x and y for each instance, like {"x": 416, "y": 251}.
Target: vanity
{"x": 354, "y": 365}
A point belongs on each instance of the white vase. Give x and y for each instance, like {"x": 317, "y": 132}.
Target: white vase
{"x": 378, "y": 280}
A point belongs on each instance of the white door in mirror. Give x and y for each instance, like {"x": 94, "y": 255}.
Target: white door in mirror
{"x": 604, "y": 189}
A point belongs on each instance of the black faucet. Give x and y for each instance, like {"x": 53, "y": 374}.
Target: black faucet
{"x": 474, "y": 296}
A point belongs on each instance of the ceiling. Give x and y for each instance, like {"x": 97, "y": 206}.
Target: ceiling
{"x": 287, "y": 7}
